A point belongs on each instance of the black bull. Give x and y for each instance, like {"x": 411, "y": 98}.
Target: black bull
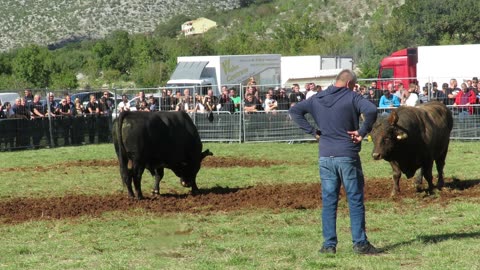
{"x": 154, "y": 141}
{"x": 412, "y": 138}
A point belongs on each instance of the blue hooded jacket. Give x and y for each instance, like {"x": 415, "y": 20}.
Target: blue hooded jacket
{"x": 336, "y": 111}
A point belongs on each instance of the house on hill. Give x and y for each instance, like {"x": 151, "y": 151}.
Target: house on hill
{"x": 197, "y": 26}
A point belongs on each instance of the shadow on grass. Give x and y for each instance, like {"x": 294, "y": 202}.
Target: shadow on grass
{"x": 433, "y": 239}
{"x": 462, "y": 184}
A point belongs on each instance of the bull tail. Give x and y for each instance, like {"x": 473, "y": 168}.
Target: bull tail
{"x": 122, "y": 153}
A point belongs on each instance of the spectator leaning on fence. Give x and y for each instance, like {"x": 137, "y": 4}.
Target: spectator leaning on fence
{"x": 226, "y": 103}
{"x": 124, "y": 105}
{"x": 464, "y": 99}
{"x": 312, "y": 92}
{"x": 79, "y": 109}
{"x": 410, "y": 97}
{"x": 20, "y": 110}
{"x": 437, "y": 94}
{"x": 152, "y": 103}
{"x": 388, "y": 101}
{"x": 282, "y": 100}
{"x": 141, "y": 98}
{"x": 296, "y": 96}
{"x": 235, "y": 98}
{"x": 250, "y": 104}
{"x": 199, "y": 107}
{"x": 423, "y": 96}
{"x": 452, "y": 91}
{"x": 269, "y": 104}
{"x": 28, "y": 99}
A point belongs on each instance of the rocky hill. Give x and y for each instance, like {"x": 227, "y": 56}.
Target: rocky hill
{"x": 52, "y": 21}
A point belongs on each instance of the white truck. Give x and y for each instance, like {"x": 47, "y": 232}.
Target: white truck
{"x": 205, "y": 72}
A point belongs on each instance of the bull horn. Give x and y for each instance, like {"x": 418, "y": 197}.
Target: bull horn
{"x": 393, "y": 118}
{"x": 402, "y": 136}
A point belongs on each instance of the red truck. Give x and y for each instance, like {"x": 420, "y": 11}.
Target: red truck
{"x": 430, "y": 64}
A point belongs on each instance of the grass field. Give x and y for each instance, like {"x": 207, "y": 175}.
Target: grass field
{"x": 416, "y": 233}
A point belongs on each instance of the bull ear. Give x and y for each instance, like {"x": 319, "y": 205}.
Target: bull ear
{"x": 401, "y": 135}
{"x": 393, "y": 118}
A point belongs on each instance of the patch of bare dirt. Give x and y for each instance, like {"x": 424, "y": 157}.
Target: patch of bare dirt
{"x": 219, "y": 199}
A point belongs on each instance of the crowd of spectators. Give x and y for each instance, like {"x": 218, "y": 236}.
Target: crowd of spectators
{"x": 272, "y": 99}
{"x": 77, "y": 123}
{"x": 461, "y": 99}
{"x": 52, "y": 119}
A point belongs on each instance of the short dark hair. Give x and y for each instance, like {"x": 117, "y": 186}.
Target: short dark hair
{"x": 346, "y": 75}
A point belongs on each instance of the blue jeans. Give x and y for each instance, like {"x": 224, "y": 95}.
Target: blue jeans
{"x": 335, "y": 171}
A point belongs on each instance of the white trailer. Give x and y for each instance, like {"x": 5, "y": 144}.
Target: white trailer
{"x": 442, "y": 63}
{"x": 216, "y": 71}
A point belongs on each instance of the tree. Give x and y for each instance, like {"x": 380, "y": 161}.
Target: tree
{"x": 34, "y": 65}
{"x": 64, "y": 80}
{"x": 428, "y": 22}
{"x": 293, "y": 34}
{"x": 114, "y": 52}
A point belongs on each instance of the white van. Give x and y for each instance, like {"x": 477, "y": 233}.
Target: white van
{"x": 9, "y": 97}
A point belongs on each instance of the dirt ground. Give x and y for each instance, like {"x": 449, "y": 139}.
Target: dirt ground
{"x": 217, "y": 199}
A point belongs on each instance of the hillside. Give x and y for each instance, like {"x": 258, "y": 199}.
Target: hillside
{"x": 46, "y": 22}
{"x": 51, "y": 21}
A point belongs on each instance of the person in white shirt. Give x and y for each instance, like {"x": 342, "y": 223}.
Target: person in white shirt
{"x": 313, "y": 90}
{"x": 410, "y": 97}
{"x": 269, "y": 104}
{"x": 124, "y": 105}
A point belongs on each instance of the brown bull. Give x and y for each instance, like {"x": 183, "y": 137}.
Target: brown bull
{"x": 411, "y": 138}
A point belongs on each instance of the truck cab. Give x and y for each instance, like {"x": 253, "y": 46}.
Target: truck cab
{"x": 400, "y": 66}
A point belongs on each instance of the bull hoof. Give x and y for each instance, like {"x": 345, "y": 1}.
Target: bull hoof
{"x": 418, "y": 188}
{"x": 429, "y": 192}
{"x": 440, "y": 185}
{"x": 155, "y": 192}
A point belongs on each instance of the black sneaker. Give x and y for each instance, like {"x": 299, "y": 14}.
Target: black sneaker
{"x": 328, "y": 250}
{"x": 365, "y": 249}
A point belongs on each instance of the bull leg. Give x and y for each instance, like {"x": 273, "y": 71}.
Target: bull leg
{"x": 427, "y": 173}
{"x": 418, "y": 180}
{"x": 397, "y": 173}
{"x": 194, "y": 187}
{"x": 158, "y": 177}
{"x": 137, "y": 181}
{"x": 128, "y": 183}
{"x": 440, "y": 164}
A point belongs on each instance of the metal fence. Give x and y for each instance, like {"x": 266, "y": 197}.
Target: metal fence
{"x": 216, "y": 126}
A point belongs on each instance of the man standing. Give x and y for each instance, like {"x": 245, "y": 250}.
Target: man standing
{"x": 336, "y": 112}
